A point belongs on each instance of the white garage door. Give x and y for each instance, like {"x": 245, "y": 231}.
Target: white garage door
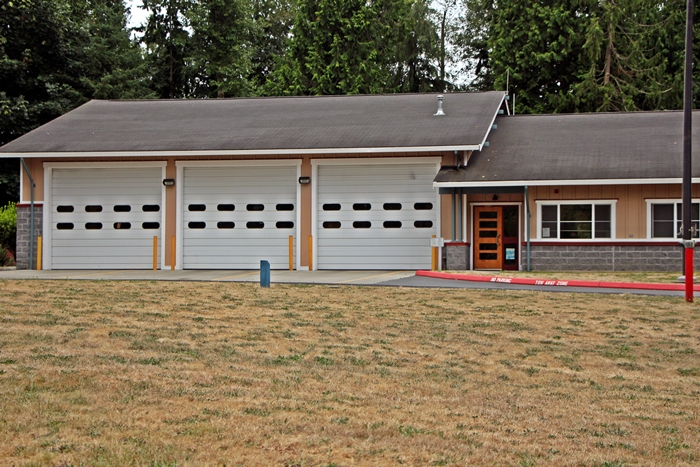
{"x": 375, "y": 216}
{"x": 105, "y": 218}
{"x": 235, "y": 216}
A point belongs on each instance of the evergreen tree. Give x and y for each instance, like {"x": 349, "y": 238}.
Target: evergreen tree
{"x": 221, "y": 51}
{"x": 416, "y": 67}
{"x": 272, "y": 25}
{"x": 168, "y": 46}
{"x": 349, "y": 47}
{"x": 56, "y": 55}
{"x": 627, "y": 67}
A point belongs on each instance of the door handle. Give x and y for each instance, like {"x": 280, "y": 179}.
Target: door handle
{"x": 498, "y": 240}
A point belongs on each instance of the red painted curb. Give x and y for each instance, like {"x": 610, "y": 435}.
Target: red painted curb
{"x": 557, "y": 283}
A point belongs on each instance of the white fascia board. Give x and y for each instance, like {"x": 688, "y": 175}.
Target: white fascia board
{"x": 490, "y": 127}
{"x": 247, "y": 152}
{"x": 240, "y": 163}
{"x": 104, "y": 165}
{"x": 378, "y": 161}
{"x": 618, "y": 181}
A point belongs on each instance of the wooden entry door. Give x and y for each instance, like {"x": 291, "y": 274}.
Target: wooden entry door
{"x": 488, "y": 222}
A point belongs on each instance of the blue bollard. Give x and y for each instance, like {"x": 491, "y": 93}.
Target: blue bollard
{"x": 264, "y": 273}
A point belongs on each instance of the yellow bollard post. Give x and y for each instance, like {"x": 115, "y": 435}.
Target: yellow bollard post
{"x": 38, "y": 253}
{"x": 311, "y": 253}
{"x": 155, "y": 253}
{"x": 172, "y": 253}
{"x": 433, "y": 259}
{"x": 291, "y": 253}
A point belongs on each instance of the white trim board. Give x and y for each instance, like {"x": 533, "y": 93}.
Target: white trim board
{"x": 239, "y": 163}
{"x": 104, "y": 165}
{"x": 247, "y": 152}
{"x": 615, "y": 181}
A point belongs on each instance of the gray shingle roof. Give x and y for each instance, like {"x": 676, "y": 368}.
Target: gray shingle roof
{"x": 600, "y": 146}
{"x": 295, "y": 123}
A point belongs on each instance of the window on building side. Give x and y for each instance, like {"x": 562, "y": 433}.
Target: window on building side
{"x": 667, "y": 216}
{"x": 574, "y": 220}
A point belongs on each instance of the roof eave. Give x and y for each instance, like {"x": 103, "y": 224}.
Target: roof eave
{"x": 490, "y": 127}
{"x": 616, "y": 181}
{"x": 243, "y": 152}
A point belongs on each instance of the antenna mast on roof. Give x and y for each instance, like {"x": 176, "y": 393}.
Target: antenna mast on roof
{"x": 507, "y": 80}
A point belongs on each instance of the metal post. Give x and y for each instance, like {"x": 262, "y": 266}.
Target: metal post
{"x": 31, "y": 214}
{"x": 264, "y": 273}
{"x": 527, "y": 226}
{"x": 688, "y": 242}
{"x": 454, "y": 217}
{"x": 461, "y": 217}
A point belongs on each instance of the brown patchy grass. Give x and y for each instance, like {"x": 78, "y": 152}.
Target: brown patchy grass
{"x": 179, "y": 374}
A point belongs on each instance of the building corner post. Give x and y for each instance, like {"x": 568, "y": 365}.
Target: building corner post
{"x": 31, "y": 213}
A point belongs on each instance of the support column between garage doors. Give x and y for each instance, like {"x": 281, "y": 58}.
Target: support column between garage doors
{"x": 232, "y": 214}
{"x": 374, "y": 213}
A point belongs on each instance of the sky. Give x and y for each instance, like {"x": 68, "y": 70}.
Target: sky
{"x": 138, "y": 16}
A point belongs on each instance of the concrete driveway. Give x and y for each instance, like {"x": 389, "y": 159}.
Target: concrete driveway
{"x": 282, "y": 276}
{"x": 379, "y": 278}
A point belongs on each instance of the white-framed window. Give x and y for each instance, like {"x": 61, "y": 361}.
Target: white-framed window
{"x": 576, "y": 220}
{"x": 664, "y": 218}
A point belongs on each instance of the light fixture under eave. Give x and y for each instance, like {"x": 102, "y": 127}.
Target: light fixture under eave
{"x": 169, "y": 182}
{"x": 304, "y": 180}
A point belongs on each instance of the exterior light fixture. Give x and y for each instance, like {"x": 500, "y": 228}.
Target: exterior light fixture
{"x": 304, "y": 180}
{"x": 169, "y": 182}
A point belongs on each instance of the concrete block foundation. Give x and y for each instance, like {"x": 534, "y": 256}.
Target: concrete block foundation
{"x": 607, "y": 258}
{"x": 23, "y": 233}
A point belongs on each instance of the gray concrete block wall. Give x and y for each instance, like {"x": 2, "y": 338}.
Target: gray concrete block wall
{"x": 607, "y": 258}
{"x": 456, "y": 256}
{"x": 23, "y": 227}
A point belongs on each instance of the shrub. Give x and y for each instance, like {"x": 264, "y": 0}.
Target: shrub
{"x": 8, "y": 229}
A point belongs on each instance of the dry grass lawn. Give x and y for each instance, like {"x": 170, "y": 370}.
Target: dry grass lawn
{"x": 153, "y": 374}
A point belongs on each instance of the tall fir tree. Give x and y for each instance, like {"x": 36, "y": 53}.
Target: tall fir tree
{"x": 56, "y": 55}
{"x": 168, "y": 44}
{"x": 349, "y": 47}
{"x": 221, "y": 53}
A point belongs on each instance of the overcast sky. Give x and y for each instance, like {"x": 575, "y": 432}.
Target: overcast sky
{"x": 138, "y": 16}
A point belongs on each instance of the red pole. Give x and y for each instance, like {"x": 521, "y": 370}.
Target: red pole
{"x": 689, "y": 253}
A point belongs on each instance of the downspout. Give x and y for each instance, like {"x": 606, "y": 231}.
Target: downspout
{"x": 527, "y": 226}
{"x": 31, "y": 214}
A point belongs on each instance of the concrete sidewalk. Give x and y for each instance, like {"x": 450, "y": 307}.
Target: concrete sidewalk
{"x": 281, "y": 276}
